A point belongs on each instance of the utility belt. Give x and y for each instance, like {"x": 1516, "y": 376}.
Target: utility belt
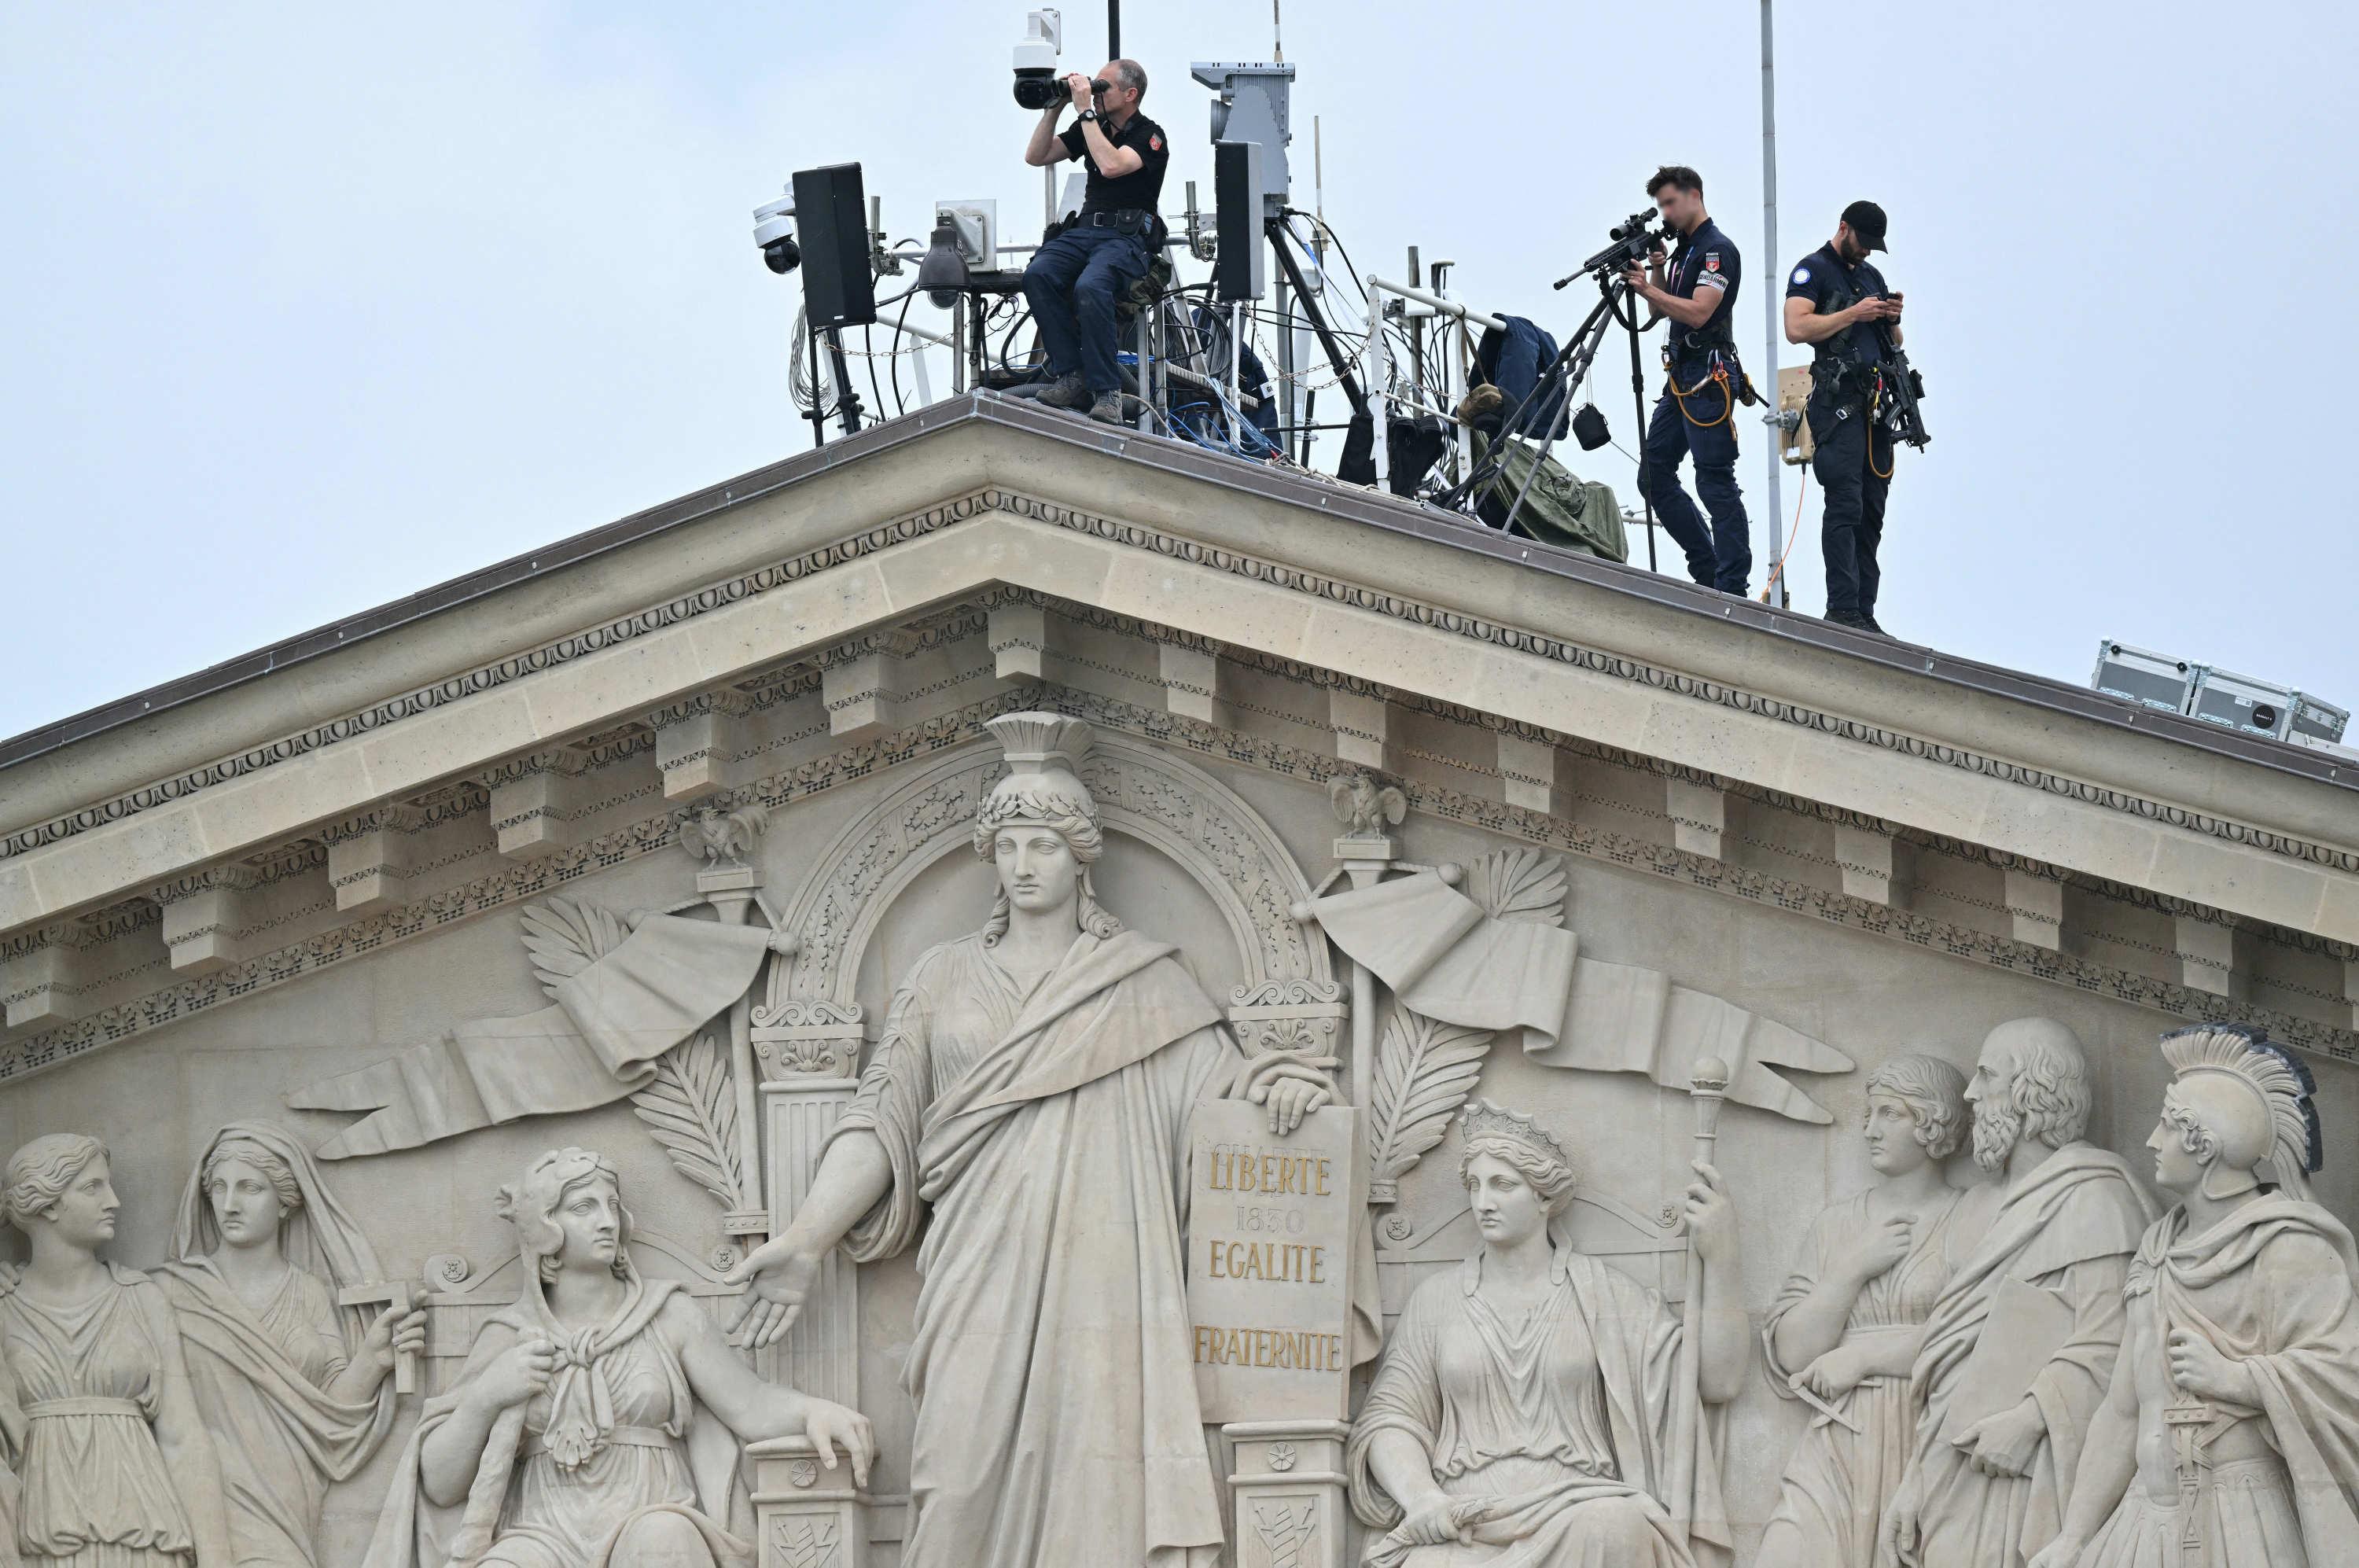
{"x": 1137, "y": 221}
{"x": 1716, "y": 370}
{"x": 1841, "y": 378}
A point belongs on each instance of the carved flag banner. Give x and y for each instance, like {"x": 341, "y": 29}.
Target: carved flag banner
{"x": 1447, "y": 959}
{"x": 616, "y": 1012}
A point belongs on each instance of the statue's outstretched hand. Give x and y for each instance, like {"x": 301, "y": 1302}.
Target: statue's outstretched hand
{"x": 1290, "y": 1084}
{"x": 781, "y": 1276}
{"x": 830, "y": 1426}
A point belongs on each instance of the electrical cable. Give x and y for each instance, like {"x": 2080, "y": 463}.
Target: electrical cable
{"x": 1779, "y": 570}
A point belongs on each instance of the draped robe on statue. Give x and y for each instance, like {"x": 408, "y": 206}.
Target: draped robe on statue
{"x": 618, "y": 1434}
{"x": 1041, "y": 1139}
{"x": 2068, "y": 1228}
{"x": 262, "y": 1375}
{"x": 1563, "y": 1420}
{"x": 1838, "y": 1482}
{"x": 2275, "y": 1285}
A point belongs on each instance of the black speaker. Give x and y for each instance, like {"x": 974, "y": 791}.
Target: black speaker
{"x": 1239, "y": 269}
{"x": 831, "y": 225}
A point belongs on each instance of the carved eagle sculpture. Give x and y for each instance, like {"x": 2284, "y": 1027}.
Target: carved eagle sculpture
{"x": 1365, "y": 807}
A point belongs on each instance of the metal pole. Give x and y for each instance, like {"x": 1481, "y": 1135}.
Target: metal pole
{"x": 1236, "y": 370}
{"x": 1771, "y": 298}
{"x": 1284, "y": 357}
{"x": 1114, "y": 29}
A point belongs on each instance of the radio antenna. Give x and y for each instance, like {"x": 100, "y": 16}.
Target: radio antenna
{"x": 1277, "y": 38}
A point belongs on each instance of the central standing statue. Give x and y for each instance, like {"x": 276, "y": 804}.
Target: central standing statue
{"x": 1028, "y": 1107}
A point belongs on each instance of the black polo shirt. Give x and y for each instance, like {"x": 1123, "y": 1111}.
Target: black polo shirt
{"x": 1140, "y": 189}
{"x": 1705, "y": 260}
{"x": 1832, "y": 284}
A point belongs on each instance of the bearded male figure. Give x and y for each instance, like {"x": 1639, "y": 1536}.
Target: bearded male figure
{"x": 1028, "y": 1107}
{"x": 2021, "y": 1343}
{"x": 2233, "y": 1425}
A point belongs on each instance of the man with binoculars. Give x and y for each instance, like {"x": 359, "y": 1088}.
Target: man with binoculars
{"x": 1079, "y": 274}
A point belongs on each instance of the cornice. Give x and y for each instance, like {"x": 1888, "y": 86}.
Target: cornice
{"x": 917, "y": 525}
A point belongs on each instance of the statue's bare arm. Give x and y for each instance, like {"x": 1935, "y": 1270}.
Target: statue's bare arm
{"x": 852, "y": 1175}
{"x": 754, "y": 1408}
{"x": 2108, "y": 1463}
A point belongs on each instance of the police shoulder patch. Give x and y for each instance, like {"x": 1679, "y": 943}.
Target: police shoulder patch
{"x": 1155, "y": 143}
{"x": 1712, "y": 261}
{"x": 1801, "y": 275}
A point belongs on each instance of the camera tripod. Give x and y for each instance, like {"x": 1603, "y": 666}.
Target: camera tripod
{"x": 1572, "y": 364}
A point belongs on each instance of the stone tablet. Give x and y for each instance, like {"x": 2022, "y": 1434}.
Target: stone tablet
{"x": 1271, "y": 1223}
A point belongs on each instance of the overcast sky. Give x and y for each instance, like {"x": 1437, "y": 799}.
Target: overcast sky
{"x": 310, "y": 306}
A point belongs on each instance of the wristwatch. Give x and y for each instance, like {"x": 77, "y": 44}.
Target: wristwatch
{"x": 1088, "y": 115}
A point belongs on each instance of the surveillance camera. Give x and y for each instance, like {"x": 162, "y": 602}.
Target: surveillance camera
{"x": 774, "y": 230}
{"x": 1035, "y": 61}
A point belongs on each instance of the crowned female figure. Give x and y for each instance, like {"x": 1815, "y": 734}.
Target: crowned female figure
{"x": 112, "y": 1456}
{"x": 1844, "y": 1331}
{"x": 1028, "y": 1107}
{"x": 576, "y": 1434}
{"x": 1525, "y": 1411}
{"x": 298, "y": 1391}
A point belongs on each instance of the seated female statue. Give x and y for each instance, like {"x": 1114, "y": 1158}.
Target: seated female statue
{"x": 1528, "y": 1405}
{"x": 574, "y": 1436}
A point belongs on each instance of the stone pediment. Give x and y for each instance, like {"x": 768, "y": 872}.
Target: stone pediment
{"x": 868, "y": 605}
{"x": 443, "y": 885}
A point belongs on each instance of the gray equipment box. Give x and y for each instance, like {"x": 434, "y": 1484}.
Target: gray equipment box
{"x": 2311, "y": 719}
{"x": 2240, "y": 702}
{"x": 2137, "y": 675}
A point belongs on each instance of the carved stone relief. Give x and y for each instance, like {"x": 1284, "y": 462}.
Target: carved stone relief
{"x": 1533, "y": 1349}
{"x": 1052, "y": 1051}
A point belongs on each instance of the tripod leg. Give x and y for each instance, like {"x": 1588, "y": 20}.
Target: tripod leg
{"x": 1583, "y": 348}
{"x": 1639, "y": 410}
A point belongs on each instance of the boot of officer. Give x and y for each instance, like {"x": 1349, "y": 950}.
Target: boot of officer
{"x": 1695, "y": 416}
{"x": 1076, "y": 277}
{"x": 1834, "y": 298}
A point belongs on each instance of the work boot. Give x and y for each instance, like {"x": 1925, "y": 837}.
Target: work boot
{"x": 1068, "y": 391}
{"x": 1107, "y": 409}
{"x": 1874, "y": 627}
{"x": 1851, "y": 619}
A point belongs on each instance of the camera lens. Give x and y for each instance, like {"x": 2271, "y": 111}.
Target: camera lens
{"x": 1037, "y": 89}
{"x": 782, "y": 256}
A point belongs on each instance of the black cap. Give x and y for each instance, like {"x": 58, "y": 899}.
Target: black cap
{"x": 1866, "y": 220}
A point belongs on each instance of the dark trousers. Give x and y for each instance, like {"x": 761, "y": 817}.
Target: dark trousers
{"x": 1072, "y": 283}
{"x": 1853, "y": 466}
{"x": 1722, "y": 557}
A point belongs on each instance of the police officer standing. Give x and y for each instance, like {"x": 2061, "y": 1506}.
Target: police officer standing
{"x": 1834, "y": 300}
{"x": 1076, "y": 279}
{"x": 1695, "y": 414}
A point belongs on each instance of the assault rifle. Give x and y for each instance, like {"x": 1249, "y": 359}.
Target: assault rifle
{"x": 1902, "y": 389}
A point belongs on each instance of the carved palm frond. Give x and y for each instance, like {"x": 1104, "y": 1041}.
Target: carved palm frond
{"x": 692, "y": 1112}
{"x": 1425, "y": 1070}
{"x": 566, "y": 936}
{"x": 1518, "y": 884}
